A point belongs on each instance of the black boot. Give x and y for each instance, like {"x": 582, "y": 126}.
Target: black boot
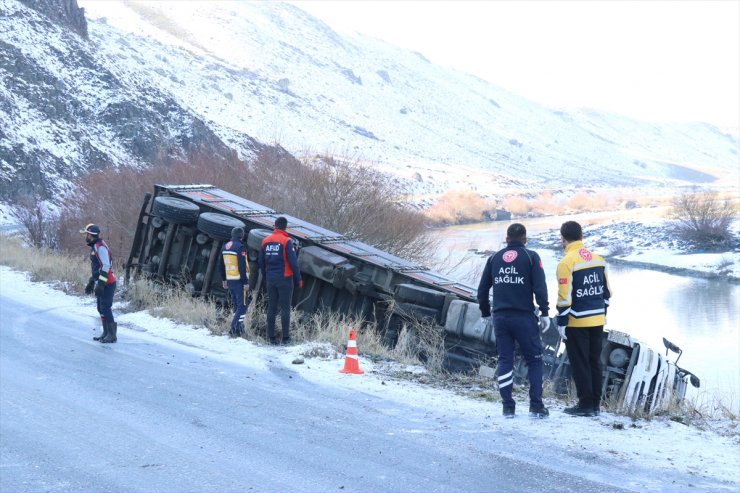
{"x": 580, "y": 410}
{"x": 538, "y": 411}
{"x": 111, "y": 335}
{"x": 102, "y": 336}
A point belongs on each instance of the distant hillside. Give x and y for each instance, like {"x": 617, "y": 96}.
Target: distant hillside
{"x": 151, "y": 81}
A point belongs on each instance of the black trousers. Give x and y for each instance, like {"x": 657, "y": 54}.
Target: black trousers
{"x": 522, "y": 328}
{"x": 279, "y": 295}
{"x": 105, "y": 302}
{"x": 584, "y": 352}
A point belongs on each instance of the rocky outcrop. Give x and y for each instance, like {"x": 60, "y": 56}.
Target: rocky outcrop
{"x": 64, "y": 114}
{"x": 63, "y": 12}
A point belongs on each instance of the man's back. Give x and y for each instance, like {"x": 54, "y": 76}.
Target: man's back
{"x": 515, "y": 273}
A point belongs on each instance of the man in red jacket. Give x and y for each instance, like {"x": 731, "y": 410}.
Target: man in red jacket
{"x": 279, "y": 265}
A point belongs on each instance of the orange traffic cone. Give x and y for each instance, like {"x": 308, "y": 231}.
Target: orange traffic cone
{"x": 351, "y": 362}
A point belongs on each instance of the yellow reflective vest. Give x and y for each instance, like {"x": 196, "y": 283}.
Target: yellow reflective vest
{"x": 583, "y": 287}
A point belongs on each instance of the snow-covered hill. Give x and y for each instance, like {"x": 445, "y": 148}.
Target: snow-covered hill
{"x": 270, "y": 72}
{"x": 276, "y": 73}
{"x": 65, "y": 111}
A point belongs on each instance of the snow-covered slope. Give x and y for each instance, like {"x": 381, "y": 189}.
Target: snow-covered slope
{"x": 269, "y": 71}
{"x": 63, "y": 112}
{"x": 274, "y": 72}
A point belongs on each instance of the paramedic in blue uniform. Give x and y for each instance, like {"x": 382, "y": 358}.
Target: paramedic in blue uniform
{"x": 235, "y": 273}
{"x": 102, "y": 281}
{"x": 516, "y": 276}
{"x": 583, "y": 297}
{"x": 279, "y": 265}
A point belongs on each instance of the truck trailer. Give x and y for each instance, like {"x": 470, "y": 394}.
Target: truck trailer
{"x": 178, "y": 240}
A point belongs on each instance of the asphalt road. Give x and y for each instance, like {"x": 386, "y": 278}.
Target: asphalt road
{"x": 136, "y": 416}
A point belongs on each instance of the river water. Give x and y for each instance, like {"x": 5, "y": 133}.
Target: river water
{"x": 698, "y": 315}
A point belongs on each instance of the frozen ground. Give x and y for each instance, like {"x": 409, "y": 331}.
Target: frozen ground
{"x": 708, "y": 450}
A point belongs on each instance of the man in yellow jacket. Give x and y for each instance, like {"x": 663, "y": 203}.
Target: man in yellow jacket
{"x": 583, "y": 298}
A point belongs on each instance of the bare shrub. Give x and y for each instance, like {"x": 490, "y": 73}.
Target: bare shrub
{"x": 112, "y": 198}
{"x": 38, "y": 221}
{"x": 579, "y": 202}
{"x": 349, "y": 198}
{"x": 518, "y": 206}
{"x": 458, "y": 207}
{"x": 703, "y": 219}
{"x": 354, "y": 199}
{"x": 545, "y": 203}
{"x": 601, "y": 202}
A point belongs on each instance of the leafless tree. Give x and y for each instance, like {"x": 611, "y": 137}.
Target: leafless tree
{"x": 38, "y": 221}
{"x": 703, "y": 219}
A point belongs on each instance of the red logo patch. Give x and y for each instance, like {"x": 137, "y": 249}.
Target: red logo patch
{"x": 585, "y": 254}
{"x": 562, "y": 281}
{"x": 509, "y": 256}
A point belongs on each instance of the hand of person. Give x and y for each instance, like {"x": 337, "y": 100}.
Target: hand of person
{"x": 544, "y": 323}
{"x": 224, "y": 285}
{"x": 90, "y": 286}
{"x": 487, "y": 321}
{"x": 561, "y": 330}
{"x": 99, "y": 288}
{"x": 300, "y": 284}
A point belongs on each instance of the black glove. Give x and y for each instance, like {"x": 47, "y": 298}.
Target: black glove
{"x": 99, "y": 287}
{"x": 90, "y": 285}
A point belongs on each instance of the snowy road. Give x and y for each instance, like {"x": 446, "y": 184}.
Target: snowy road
{"x": 77, "y": 415}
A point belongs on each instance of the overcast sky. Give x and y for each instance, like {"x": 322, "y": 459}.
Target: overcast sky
{"x": 651, "y": 60}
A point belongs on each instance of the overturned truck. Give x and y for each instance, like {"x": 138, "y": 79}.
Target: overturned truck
{"x": 178, "y": 240}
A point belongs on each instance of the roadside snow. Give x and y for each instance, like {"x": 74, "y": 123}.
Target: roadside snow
{"x": 711, "y": 451}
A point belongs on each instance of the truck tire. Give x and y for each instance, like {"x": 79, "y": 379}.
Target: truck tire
{"x": 174, "y": 210}
{"x": 419, "y": 295}
{"x": 218, "y": 226}
{"x": 255, "y": 237}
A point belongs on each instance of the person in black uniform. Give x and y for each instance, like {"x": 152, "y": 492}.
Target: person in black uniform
{"x": 516, "y": 276}
{"x": 235, "y": 273}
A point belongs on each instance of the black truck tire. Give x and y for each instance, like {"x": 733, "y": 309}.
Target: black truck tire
{"x": 174, "y": 210}
{"x": 218, "y": 226}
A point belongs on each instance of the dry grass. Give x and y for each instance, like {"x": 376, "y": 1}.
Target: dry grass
{"x": 165, "y": 302}
{"x": 419, "y": 344}
{"x": 69, "y": 273}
